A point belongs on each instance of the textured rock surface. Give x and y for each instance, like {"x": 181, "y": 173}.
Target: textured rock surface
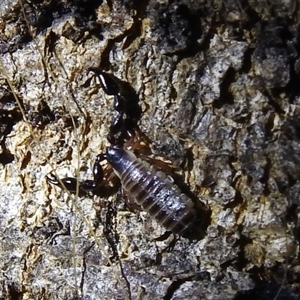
{"x": 219, "y": 82}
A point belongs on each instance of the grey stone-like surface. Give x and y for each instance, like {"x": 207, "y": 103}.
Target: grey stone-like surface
{"x": 219, "y": 84}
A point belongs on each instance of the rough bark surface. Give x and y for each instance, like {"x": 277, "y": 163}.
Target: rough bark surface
{"x": 219, "y": 83}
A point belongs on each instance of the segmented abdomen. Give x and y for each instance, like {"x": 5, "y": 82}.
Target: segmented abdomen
{"x": 157, "y": 194}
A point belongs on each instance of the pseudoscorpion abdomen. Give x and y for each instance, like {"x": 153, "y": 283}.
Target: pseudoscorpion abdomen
{"x": 154, "y": 191}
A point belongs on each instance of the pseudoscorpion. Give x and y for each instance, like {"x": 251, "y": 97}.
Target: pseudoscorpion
{"x": 152, "y": 189}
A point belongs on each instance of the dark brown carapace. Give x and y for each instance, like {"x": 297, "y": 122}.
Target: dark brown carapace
{"x": 153, "y": 190}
